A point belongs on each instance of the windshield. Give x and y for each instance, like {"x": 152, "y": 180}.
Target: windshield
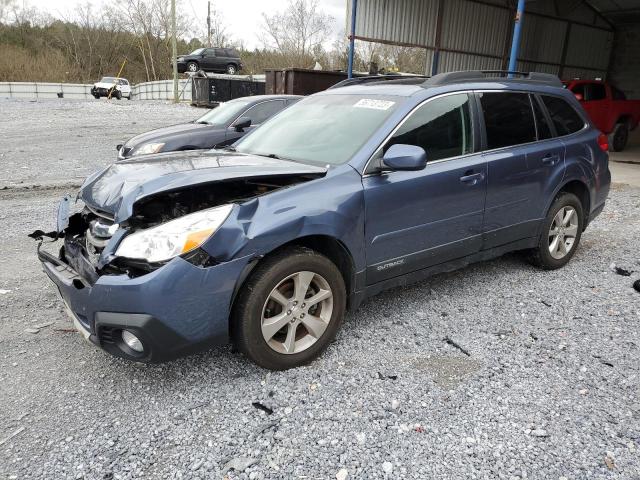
{"x": 108, "y": 80}
{"x": 197, "y": 51}
{"x": 223, "y": 115}
{"x": 323, "y": 129}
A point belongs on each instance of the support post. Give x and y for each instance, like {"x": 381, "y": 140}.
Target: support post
{"x": 174, "y": 52}
{"x": 515, "y": 43}
{"x": 209, "y": 24}
{"x": 352, "y": 37}
{"x": 436, "y": 51}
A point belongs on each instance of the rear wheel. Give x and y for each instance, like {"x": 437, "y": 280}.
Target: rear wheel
{"x": 619, "y": 137}
{"x": 290, "y": 309}
{"x": 231, "y": 69}
{"x": 561, "y": 232}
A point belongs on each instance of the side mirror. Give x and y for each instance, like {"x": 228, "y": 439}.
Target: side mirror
{"x": 241, "y": 124}
{"x": 579, "y": 97}
{"x": 405, "y": 157}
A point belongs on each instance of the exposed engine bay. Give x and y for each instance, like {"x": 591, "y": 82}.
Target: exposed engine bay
{"x": 89, "y": 231}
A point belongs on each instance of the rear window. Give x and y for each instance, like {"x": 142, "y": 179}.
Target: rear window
{"x": 508, "y": 119}
{"x": 617, "y": 94}
{"x": 563, "y": 115}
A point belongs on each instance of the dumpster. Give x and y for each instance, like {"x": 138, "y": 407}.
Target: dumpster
{"x": 210, "y": 91}
{"x": 300, "y": 81}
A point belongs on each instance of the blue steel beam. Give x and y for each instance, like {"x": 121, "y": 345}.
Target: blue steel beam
{"x": 515, "y": 43}
{"x": 352, "y": 36}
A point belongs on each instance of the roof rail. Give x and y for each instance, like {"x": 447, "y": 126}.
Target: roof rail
{"x": 492, "y": 75}
{"x": 373, "y": 78}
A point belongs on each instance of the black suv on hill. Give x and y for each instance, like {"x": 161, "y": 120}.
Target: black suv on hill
{"x": 211, "y": 60}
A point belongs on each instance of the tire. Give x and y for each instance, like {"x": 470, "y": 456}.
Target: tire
{"x": 96, "y": 96}
{"x": 255, "y": 306}
{"x": 619, "y": 137}
{"x": 118, "y": 94}
{"x": 193, "y": 67}
{"x": 231, "y": 69}
{"x": 542, "y": 255}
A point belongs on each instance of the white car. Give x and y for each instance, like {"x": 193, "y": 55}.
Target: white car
{"x": 118, "y": 87}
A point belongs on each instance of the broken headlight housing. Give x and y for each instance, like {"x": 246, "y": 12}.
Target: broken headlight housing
{"x": 168, "y": 240}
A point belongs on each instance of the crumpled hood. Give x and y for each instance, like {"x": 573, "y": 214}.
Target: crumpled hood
{"x": 164, "y": 134}
{"x": 118, "y": 187}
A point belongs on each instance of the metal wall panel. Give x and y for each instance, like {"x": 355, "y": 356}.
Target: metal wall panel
{"x": 589, "y": 47}
{"x": 477, "y": 35}
{"x": 542, "y": 39}
{"x": 401, "y": 21}
{"x": 473, "y": 27}
{"x": 451, "y": 62}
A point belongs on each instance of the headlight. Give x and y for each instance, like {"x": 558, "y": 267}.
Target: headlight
{"x": 173, "y": 238}
{"x": 149, "y": 148}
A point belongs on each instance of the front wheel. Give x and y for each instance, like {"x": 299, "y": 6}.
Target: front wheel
{"x": 192, "y": 67}
{"x": 290, "y": 309}
{"x": 561, "y": 232}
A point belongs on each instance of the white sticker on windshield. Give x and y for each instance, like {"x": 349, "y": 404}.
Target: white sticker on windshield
{"x": 375, "y": 104}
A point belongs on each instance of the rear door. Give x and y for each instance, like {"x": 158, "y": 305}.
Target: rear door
{"x": 221, "y": 58}
{"x": 520, "y": 168}
{"x": 419, "y": 219}
{"x": 209, "y": 59}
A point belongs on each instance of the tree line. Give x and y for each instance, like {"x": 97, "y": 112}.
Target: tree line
{"x": 90, "y": 43}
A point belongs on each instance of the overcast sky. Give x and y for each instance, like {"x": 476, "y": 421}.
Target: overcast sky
{"x": 242, "y": 17}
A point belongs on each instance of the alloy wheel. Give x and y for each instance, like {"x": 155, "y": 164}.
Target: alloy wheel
{"x": 563, "y": 232}
{"x": 297, "y": 312}
{"x": 193, "y": 67}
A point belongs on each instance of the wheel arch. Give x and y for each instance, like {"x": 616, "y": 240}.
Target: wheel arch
{"x": 580, "y": 190}
{"x": 329, "y": 246}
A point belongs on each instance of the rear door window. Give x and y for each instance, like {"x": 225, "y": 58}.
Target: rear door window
{"x": 442, "y": 127}
{"x": 220, "y": 52}
{"x": 564, "y": 117}
{"x": 595, "y": 91}
{"x": 508, "y": 119}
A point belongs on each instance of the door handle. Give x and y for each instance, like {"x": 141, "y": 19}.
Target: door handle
{"x": 471, "y": 178}
{"x": 550, "y": 159}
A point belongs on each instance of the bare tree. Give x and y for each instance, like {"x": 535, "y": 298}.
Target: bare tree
{"x": 298, "y": 30}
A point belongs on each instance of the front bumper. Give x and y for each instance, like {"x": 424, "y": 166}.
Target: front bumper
{"x": 175, "y": 310}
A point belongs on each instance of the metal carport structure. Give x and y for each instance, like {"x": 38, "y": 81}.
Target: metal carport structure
{"x": 570, "y": 38}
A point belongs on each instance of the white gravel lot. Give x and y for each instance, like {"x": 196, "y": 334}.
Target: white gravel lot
{"x": 549, "y": 387}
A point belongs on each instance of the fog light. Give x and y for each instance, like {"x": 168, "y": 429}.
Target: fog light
{"x": 132, "y": 341}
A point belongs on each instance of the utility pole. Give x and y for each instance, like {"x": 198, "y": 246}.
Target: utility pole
{"x": 174, "y": 51}
{"x": 209, "y": 24}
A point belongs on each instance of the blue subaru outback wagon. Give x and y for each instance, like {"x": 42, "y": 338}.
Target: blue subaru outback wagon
{"x": 348, "y": 192}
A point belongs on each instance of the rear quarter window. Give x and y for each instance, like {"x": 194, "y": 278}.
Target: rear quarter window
{"x": 564, "y": 117}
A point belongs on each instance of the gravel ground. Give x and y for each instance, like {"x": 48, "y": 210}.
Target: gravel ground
{"x": 539, "y": 378}
{"x": 80, "y": 136}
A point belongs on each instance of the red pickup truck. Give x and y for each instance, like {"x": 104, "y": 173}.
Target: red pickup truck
{"x": 609, "y": 109}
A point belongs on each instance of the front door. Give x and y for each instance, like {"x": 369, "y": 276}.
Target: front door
{"x": 419, "y": 219}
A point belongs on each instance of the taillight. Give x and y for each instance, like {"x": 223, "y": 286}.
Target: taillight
{"x": 603, "y": 142}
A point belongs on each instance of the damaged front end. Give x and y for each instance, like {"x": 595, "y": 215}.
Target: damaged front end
{"x": 133, "y": 266}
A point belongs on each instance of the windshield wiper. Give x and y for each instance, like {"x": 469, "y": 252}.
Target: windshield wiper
{"x": 202, "y": 122}
{"x": 229, "y": 148}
